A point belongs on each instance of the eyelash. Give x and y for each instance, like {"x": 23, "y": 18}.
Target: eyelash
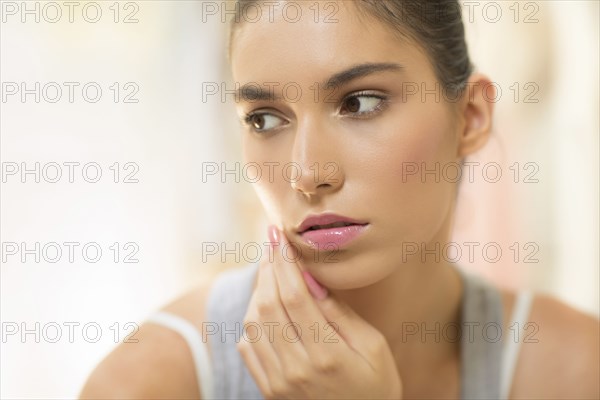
{"x": 247, "y": 118}
{"x": 247, "y": 122}
{"x": 377, "y": 109}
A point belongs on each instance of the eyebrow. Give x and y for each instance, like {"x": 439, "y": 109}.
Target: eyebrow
{"x": 252, "y": 92}
{"x": 359, "y": 71}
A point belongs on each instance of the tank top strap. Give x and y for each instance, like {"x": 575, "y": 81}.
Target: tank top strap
{"x": 226, "y": 308}
{"x": 518, "y": 321}
{"x": 481, "y": 339}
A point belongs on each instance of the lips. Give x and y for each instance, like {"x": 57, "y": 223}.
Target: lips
{"x": 325, "y": 221}
{"x": 327, "y": 226}
{"x": 330, "y": 231}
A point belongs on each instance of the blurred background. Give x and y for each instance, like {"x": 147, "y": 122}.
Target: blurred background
{"x": 118, "y": 112}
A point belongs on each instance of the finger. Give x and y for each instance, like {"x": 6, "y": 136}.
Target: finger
{"x": 286, "y": 342}
{"x": 358, "y": 333}
{"x": 279, "y": 355}
{"x": 254, "y": 366}
{"x": 336, "y": 319}
{"x": 256, "y": 332}
{"x": 300, "y": 305}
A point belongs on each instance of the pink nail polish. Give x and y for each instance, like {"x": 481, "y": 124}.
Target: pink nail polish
{"x": 318, "y": 291}
{"x": 273, "y": 235}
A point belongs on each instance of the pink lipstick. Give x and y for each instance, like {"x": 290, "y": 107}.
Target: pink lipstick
{"x": 330, "y": 231}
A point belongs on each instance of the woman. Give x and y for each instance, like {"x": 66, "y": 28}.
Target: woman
{"x": 338, "y": 90}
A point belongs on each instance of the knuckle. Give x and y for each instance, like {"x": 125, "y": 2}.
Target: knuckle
{"x": 269, "y": 395}
{"x": 292, "y": 299}
{"x": 278, "y": 389}
{"x": 265, "y": 307}
{"x": 325, "y": 364}
{"x": 296, "y": 377}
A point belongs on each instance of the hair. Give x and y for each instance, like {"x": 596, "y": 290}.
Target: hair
{"x": 435, "y": 25}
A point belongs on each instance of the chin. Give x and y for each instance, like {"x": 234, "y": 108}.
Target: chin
{"x": 346, "y": 270}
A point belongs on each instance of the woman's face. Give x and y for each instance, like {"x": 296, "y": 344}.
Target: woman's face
{"x": 351, "y": 149}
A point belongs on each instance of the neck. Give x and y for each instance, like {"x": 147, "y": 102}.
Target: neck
{"x": 411, "y": 308}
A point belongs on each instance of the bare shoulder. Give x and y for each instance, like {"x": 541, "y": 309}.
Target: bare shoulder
{"x": 559, "y": 353}
{"x": 159, "y": 365}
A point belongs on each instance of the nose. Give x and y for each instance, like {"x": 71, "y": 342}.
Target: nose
{"x": 318, "y": 170}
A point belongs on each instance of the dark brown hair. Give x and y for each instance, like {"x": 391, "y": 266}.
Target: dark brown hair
{"x": 435, "y": 25}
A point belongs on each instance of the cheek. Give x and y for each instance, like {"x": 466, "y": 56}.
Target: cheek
{"x": 407, "y": 175}
{"x": 428, "y": 143}
{"x": 269, "y": 182}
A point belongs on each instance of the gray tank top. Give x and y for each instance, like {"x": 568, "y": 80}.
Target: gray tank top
{"x": 487, "y": 359}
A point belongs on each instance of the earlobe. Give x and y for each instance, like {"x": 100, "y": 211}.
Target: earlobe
{"x": 477, "y": 115}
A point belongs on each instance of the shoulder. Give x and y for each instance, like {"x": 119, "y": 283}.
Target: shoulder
{"x": 559, "y": 353}
{"x": 160, "y": 364}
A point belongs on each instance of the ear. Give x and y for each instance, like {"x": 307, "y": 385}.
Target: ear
{"x": 477, "y": 108}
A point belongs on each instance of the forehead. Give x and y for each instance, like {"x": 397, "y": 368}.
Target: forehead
{"x": 315, "y": 43}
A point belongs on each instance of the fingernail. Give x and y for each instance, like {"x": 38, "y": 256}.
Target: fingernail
{"x": 318, "y": 291}
{"x": 273, "y": 235}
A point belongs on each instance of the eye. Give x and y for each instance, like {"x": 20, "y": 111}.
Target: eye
{"x": 361, "y": 104}
{"x": 262, "y": 121}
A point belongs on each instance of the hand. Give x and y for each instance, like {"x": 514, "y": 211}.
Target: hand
{"x": 311, "y": 359}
